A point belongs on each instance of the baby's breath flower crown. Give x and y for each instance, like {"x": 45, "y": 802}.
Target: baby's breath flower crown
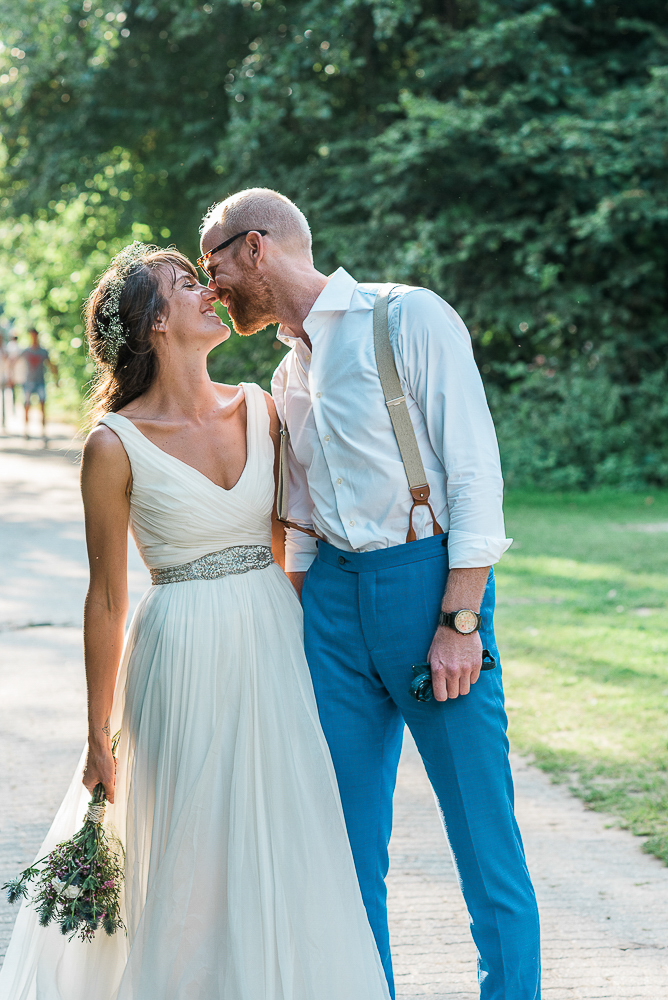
{"x": 109, "y": 323}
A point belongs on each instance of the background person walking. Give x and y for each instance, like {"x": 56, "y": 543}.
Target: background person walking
{"x": 12, "y": 355}
{"x": 35, "y": 358}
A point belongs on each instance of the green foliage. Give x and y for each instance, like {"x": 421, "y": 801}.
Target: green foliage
{"x": 247, "y": 359}
{"x": 509, "y": 154}
{"x": 48, "y": 266}
{"x": 579, "y": 429}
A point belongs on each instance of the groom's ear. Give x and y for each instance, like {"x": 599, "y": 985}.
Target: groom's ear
{"x": 255, "y": 246}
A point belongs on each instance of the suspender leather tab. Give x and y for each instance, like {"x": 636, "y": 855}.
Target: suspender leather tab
{"x": 420, "y": 496}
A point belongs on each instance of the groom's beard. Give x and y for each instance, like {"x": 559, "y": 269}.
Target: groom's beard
{"x": 252, "y": 307}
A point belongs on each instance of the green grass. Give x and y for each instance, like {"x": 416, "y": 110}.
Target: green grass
{"x": 582, "y": 622}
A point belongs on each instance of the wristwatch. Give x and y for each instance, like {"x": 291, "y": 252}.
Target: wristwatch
{"x": 465, "y": 621}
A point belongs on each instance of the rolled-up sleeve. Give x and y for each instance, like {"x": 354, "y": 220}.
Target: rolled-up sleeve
{"x": 300, "y": 551}
{"x": 434, "y": 350}
{"x": 300, "y": 548}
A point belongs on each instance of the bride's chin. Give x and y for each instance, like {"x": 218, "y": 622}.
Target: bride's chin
{"x": 222, "y": 334}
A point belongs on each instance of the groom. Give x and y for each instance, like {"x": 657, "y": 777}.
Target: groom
{"x": 375, "y": 603}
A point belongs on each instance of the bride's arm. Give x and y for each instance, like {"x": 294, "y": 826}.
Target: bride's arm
{"x": 106, "y": 483}
{"x": 277, "y": 529}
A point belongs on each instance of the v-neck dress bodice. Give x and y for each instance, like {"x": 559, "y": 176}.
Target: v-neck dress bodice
{"x": 177, "y": 514}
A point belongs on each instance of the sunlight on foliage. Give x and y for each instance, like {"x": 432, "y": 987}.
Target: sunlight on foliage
{"x": 509, "y": 156}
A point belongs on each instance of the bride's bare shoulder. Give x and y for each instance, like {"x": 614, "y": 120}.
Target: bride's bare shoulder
{"x": 232, "y": 391}
{"x": 106, "y": 488}
{"x": 228, "y": 393}
{"x": 269, "y": 400}
{"x": 274, "y": 422}
{"x": 103, "y": 450}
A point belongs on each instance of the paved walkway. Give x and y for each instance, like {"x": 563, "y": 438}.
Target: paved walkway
{"x": 604, "y": 904}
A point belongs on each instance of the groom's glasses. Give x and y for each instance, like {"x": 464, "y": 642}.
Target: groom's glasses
{"x": 205, "y": 258}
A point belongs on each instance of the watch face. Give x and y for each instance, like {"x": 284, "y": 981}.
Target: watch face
{"x": 466, "y": 622}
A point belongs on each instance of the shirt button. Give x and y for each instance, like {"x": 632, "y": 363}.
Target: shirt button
{"x": 326, "y": 438}
{"x": 339, "y": 481}
{"x": 351, "y": 523}
{"x": 341, "y": 560}
{"x": 318, "y": 395}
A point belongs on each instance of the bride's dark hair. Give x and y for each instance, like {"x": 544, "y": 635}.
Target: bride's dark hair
{"x": 120, "y": 315}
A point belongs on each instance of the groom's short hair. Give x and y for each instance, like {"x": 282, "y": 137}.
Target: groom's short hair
{"x": 261, "y": 208}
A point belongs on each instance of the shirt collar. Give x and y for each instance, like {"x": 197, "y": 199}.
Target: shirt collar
{"x": 335, "y": 297}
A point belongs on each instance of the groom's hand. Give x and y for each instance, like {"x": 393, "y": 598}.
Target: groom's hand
{"x": 455, "y": 662}
{"x": 456, "y": 659}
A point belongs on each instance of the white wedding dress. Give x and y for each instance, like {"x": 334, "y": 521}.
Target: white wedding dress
{"x": 240, "y": 882}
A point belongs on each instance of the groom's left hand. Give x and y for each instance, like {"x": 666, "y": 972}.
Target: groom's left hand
{"x": 456, "y": 659}
{"x": 455, "y": 662}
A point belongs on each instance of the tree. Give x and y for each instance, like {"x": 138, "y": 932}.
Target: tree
{"x": 511, "y": 155}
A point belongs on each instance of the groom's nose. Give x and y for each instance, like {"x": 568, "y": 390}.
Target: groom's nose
{"x": 214, "y": 286}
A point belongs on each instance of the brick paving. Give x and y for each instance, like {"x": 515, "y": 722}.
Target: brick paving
{"x": 604, "y": 904}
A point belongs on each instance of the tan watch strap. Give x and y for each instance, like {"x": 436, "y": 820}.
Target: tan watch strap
{"x": 398, "y": 411}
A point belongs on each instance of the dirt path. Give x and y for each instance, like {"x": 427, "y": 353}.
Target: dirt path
{"x": 604, "y": 904}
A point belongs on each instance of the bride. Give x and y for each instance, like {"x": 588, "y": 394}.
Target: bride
{"x": 240, "y": 883}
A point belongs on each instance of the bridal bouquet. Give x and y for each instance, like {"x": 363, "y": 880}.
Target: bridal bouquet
{"x": 79, "y": 885}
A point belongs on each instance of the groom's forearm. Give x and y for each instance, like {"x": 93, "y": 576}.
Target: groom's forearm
{"x": 297, "y": 581}
{"x": 465, "y": 588}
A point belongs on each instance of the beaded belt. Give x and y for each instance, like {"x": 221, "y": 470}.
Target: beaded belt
{"x": 228, "y": 562}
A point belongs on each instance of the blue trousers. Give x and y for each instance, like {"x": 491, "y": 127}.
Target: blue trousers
{"x": 368, "y": 617}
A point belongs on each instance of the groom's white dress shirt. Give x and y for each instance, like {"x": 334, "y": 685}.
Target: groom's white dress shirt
{"x": 346, "y": 475}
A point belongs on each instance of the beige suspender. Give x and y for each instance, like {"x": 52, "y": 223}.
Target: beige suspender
{"x": 399, "y": 415}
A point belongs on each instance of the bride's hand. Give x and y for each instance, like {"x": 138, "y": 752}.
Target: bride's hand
{"x": 100, "y": 768}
